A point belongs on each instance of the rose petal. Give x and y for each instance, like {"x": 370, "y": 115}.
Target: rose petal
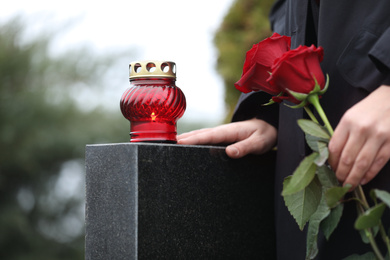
{"x": 256, "y": 79}
{"x": 258, "y": 62}
{"x": 296, "y": 69}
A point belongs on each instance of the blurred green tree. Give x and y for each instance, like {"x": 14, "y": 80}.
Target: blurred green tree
{"x": 43, "y": 133}
{"x": 245, "y": 24}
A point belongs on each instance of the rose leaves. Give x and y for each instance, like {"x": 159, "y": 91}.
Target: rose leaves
{"x": 307, "y": 192}
{"x": 312, "y": 194}
{"x": 314, "y": 197}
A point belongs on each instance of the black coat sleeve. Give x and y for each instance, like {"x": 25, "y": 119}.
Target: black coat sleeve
{"x": 380, "y": 55}
{"x": 251, "y": 105}
{"x": 277, "y": 17}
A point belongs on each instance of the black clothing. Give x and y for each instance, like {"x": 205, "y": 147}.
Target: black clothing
{"x": 355, "y": 35}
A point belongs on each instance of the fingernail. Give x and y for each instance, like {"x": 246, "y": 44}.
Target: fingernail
{"x": 363, "y": 181}
{"x": 234, "y": 151}
{"x": 180, "y": 141}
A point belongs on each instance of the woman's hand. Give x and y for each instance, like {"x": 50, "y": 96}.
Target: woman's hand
{"x": 360, "y": 146}
{"x": 250, "y": 136}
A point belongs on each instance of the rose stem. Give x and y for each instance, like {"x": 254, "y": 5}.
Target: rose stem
{"x": 311, "y": 115}
{"x": 362, "y": 206}
{"x": 315, "y": 101}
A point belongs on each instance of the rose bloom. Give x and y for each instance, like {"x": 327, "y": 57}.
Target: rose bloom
{"x": 296, "y": 70}
{"x": 258, "y": 63}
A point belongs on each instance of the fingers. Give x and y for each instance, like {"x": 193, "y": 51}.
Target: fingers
{"x": 218, "y": 135}
{"x": 251, "y": 136}
{"x": 336, "y": 145}
{"x": 379, "y": 162}
{"x": 358, "y": 151}
{"x": 347, "y": 152}
{"x": 254, "y": 144}
{"x": 256, "y": 141}
{"x": 188, "y": 134}
{"x": 355, "y": 172}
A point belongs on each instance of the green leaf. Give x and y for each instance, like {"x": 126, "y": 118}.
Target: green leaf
{"x": 319, "y": 145}
{"x": 327, "y": 177}
{"x": 335, "y": 194}
{"x": 312, "y": 128}
{"x": 323, "y": 154}
{"x": 329, "y": 224}
{"x": 302, "y": 176}
{"x": 373, "y": 196}
{"x": 363, "y": 234}
{"x": 304, "y": 203}
{"x": 383, "y": 196}
{"x": 313, "y": 229}
{"x": 312, "y": 142}
{"x": 371, "y": 217}
{"x": 366, "y": 256}
{"x": 325, "y": 218}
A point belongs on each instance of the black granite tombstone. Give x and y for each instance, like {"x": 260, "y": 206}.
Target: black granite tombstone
{"x": 163, "y": 201}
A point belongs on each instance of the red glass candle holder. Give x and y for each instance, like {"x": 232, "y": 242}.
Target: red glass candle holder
{"x": 153, "y": 103}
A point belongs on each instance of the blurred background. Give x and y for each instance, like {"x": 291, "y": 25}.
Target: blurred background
{"x": 63, "y": 69}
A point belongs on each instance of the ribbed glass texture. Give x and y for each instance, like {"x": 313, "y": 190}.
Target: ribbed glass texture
{"x": 153, "y": 107}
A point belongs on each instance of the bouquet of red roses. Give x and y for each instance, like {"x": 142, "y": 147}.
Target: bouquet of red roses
{"x": 312, "y": 193}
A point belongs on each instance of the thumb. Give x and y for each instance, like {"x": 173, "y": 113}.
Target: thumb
{"x": 233, "y": 152}
{"x": 245, "y": 147}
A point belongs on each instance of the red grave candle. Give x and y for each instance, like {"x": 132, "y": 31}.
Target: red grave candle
{"x": 153, "y": 103}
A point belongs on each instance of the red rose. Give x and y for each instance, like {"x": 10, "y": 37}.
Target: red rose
{"x": 258, "y": 63}
{"x": 296, "y": 70}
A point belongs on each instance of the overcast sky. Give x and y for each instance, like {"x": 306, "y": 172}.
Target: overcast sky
{"x": 175, "y": 30}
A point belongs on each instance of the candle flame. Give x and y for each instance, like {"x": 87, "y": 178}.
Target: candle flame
{"x": 153, "y": 116}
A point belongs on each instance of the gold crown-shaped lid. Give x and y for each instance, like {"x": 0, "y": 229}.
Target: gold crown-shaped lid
{"x": 152, "y": 69}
